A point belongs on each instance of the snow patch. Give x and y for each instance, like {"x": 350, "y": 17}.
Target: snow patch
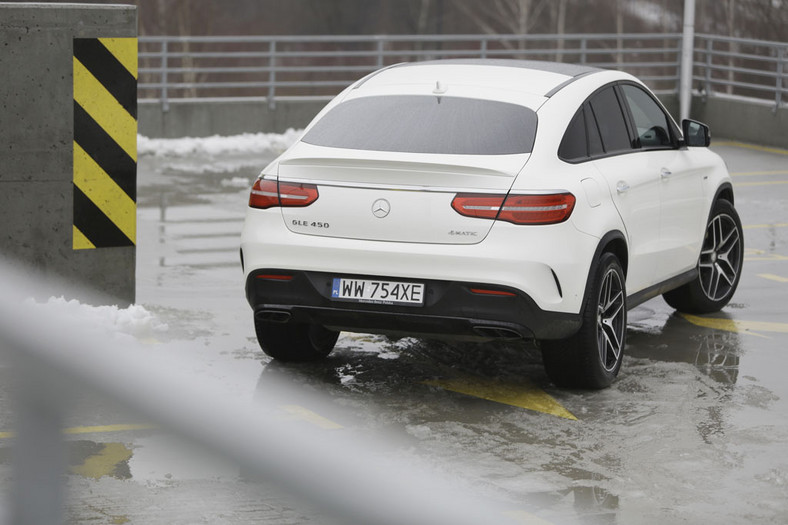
{"x": 217, "y": 145}
{"x": 134, "y": 322}
{"x": 237, "y": 182}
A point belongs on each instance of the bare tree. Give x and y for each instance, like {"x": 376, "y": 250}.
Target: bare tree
{"x": 517, "y": 17}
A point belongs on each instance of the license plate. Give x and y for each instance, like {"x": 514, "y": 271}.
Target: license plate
{"x": 377, "y": 292}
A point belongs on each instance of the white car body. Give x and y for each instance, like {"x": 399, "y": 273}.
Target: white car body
{"x": 649, "y": 206}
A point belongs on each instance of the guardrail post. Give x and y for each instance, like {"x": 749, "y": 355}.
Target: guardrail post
{"x": 583, "y": 47}
{"x": 707, "y": 75}
{"x": 778, "y": 97}
{"x": 687, "y": 59}
{"x": 483, "y": 48}
{"x": 165, "y": 102}
{"x": 380, "y": 53}
{"x": 272, "y": 75}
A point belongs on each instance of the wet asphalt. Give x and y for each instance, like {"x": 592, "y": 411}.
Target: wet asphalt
{"x": 694, "y": 430}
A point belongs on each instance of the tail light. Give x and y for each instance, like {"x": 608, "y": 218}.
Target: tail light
{"x": 478, "y": 205}
{"x": 518, "y": 209}
{"x": 270, "y": 193}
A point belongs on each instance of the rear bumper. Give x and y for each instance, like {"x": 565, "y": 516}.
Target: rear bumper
{"x": 450, "y": 309}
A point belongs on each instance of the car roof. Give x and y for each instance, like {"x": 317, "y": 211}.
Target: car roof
{"x": 540, "y": 78}
{"x": 562, "y": 68}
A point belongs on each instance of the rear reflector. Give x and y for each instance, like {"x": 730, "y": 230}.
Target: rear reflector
{"x": 275, "y": 277}
{"x": 270, "y": 194}
{"x": 483, "y": 291}
{"x": 517, "y": 209}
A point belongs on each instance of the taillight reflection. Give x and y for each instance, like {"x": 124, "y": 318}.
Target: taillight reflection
{"x": 270, "y": 194}
{"x": 517, "y": 209}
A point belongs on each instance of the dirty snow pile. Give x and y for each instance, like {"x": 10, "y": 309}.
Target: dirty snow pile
{"x": 132, "y": 323}
{"x": 250, "y": 143}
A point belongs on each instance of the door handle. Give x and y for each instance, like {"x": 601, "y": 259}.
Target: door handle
{"x": 665, "y": 173}
{"x": 622, "y": 187}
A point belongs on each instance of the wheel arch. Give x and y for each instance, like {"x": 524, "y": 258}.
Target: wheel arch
{"x": 614, "y": 242}
{"x": 725, "y": 191}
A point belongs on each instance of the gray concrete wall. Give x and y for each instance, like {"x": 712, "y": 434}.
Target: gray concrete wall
{"x": 744, "y": 120}
{"x": 36, "y": 138}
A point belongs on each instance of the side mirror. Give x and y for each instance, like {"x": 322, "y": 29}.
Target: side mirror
{"x": 696, "y": 134}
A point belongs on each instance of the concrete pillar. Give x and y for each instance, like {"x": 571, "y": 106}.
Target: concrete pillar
{"x": 68, "y": 145}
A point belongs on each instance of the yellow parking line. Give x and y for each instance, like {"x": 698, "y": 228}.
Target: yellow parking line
{"x": 518, "y": 395}
{"x": 733, "y": 325}
{"x": 763, "y": 183}
{"x": 91, "y": 430}
{"x": 765, "y": 149}
{"x": 104, "y": 463}
{"x": 773, "y": 277}
{"x": 106, "y": 428}
{"x": 309, "y": 416}
{"x": 760, "y": 226}
{"x": 759, "y": 173}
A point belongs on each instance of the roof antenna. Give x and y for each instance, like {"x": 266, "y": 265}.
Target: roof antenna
{"x": 440, "y": 88}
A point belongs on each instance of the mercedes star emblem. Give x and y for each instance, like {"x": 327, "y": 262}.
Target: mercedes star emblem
{"x": 381, "y": 208}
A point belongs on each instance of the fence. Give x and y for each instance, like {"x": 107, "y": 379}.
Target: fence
{"x": 320, "y": 66}
{"x": 753, "y": 69}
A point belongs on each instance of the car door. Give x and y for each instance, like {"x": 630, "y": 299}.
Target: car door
{"x": 682, "y": 211}
{"x": 633, "y": 184}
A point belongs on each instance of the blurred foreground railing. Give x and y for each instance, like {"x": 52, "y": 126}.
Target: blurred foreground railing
{"x": 321, "y": 66}
{"x": 56, "y": 362}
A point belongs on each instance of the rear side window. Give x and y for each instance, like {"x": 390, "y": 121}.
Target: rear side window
{"x": 610, "y": 120}
{"x": 581, "y": 140}
{"x": 574, "y": 145}
{"x": 652, "y": 125}
{"x": 427, "y": 124}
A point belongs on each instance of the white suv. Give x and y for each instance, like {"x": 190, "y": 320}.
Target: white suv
{"x": 486, "y": 199}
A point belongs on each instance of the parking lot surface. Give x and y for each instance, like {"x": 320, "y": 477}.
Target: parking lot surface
{"x": 694, "y": 430}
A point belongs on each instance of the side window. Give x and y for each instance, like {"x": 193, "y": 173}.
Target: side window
{"x": 653, "y": 128}
{"x": 610, "y": 120}
{"x": 573, "y": 146}
{"x": 595, "y": 148}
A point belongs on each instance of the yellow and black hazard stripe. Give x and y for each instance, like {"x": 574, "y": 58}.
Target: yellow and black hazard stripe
{"x": 105, "y": 142}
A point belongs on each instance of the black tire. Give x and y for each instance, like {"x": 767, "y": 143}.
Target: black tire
{"x": 592, "y": 357}
{"x": 719, "y": 265}
{"x": 297, "y": 342}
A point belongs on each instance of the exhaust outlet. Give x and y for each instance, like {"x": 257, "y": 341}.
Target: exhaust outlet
{"x": 497, "y": 332}
{"x": 273, "y": 316}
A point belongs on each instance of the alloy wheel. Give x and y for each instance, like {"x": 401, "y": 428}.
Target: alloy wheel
{"x": 611, "y": 319}
{"x": 720, "y": 258}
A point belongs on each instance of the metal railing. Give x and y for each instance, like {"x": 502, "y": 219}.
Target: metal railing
{"x": 753, "y": 69}
{"x": 321, "y": 66}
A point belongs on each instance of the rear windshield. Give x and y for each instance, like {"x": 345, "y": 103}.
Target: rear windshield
{"x": 427, "y": 124}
